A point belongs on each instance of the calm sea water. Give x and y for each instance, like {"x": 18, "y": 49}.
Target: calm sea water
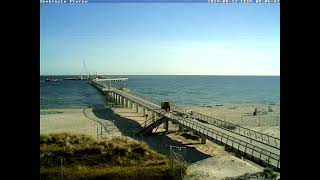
{"x": 183, "y": 90}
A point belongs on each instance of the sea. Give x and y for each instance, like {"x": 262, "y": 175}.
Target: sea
{"x": 184, "y": 90}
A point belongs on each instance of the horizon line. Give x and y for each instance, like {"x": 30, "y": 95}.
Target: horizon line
{"x": 152, "y": 75}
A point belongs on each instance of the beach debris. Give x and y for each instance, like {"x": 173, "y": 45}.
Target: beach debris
{"x": 270, "y": 109}
{"x": 219, "y": 104}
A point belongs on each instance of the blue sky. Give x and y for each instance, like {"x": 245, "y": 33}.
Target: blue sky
{"x": 129, "y": 39}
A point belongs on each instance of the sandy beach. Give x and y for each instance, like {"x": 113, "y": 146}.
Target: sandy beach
{"x": 66, "y": 120}
{"x": 207, "y": 161}
{"x": 242, "y": 114}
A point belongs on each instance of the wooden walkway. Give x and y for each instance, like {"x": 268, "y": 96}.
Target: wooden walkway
{"x": 260, "y": 147}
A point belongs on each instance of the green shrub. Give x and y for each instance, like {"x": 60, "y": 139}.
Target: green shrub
{"x": 85, "y": 158}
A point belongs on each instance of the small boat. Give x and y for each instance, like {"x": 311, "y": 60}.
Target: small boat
{"x": 51, "y": 80}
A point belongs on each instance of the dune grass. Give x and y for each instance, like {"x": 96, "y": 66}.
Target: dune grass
{"x": 85, "y": 158}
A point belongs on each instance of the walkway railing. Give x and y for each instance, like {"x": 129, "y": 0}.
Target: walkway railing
{"x": 267, "y": 156}
{"x": 243, "y": 145}
{"x": 264, "y": 138}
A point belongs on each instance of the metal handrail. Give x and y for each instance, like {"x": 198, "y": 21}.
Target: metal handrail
{"x": 229, "y": 140}
{"x": 232, "y": 141}
{"x": 210, "y": 120}
{"x": 159, "y": 111}
{"x": 148, "y": 120}
{"x": 223, "y": 124}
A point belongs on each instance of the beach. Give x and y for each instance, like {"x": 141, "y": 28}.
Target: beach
{"x": 66, "y": 120}
{"x": 207, "y": 161}
{"x": 242, "y": 114}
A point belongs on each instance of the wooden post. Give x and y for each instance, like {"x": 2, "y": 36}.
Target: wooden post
{"x": 166, "y": 125}
{"x": 180, "y": 128}
{"x": 143, "y": 111}
{"x": 203, "y": 140}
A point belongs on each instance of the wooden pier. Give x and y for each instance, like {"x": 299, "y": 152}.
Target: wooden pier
{"x": 259, "y": 147}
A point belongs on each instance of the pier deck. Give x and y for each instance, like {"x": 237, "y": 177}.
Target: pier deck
{"x": 260, "y": 147}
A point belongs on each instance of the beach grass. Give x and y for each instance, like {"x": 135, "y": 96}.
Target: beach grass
{"x": 85, "y": 158}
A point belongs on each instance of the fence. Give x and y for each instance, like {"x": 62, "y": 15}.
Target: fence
{"x": 268, "y": 157}
{"x": 178, "y": 163}
{"x": 264, "y": 138}
{"x": 260, "y": 120}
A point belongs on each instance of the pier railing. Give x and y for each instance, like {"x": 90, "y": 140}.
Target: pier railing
{"x": 266, "y": 156}
{"x": 241, "y": 143}
{"x": 254, "y": 135}
{"x": 149, "y": 121}
{"x": 270, "y": 140}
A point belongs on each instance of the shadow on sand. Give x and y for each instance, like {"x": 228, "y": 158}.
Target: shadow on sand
{"x": 160, "y": 143}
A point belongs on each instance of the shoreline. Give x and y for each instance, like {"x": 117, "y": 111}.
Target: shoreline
{"x": 239, "y": 114}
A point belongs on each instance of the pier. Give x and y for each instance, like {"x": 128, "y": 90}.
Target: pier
{"x": 259, "y": 147}
{"x": 111, "y": 79}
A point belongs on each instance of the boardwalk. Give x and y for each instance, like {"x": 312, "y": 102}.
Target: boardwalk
{"x": 260, "y": 147}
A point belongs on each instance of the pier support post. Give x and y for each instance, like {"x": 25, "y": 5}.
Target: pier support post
{"x": 122, "y": 102}
{"x": 203, "y": 140}
{"x": 109, "y": 96}
{"x": 166, "y": 125}
{"x": 137, "y": 108}
{"x": 127, "y": 103}
{"x": 130, "y": 104}
{"x": 117, "y": 99}
{"x": 154, "y": 115}
{"x": 181, "y": 128}
{"x": 143, "y": 111}
{"x": 113, "y": 97}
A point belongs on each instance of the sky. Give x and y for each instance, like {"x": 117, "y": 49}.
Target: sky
{"x": 160, "y": 39}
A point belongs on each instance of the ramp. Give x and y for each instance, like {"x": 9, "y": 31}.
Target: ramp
{"x": 147, "y": 130}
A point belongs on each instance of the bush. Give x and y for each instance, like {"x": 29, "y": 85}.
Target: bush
{"x": 86, "y": 158}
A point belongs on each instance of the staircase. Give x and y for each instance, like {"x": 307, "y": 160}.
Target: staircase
{"x": 150, "y": 125}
